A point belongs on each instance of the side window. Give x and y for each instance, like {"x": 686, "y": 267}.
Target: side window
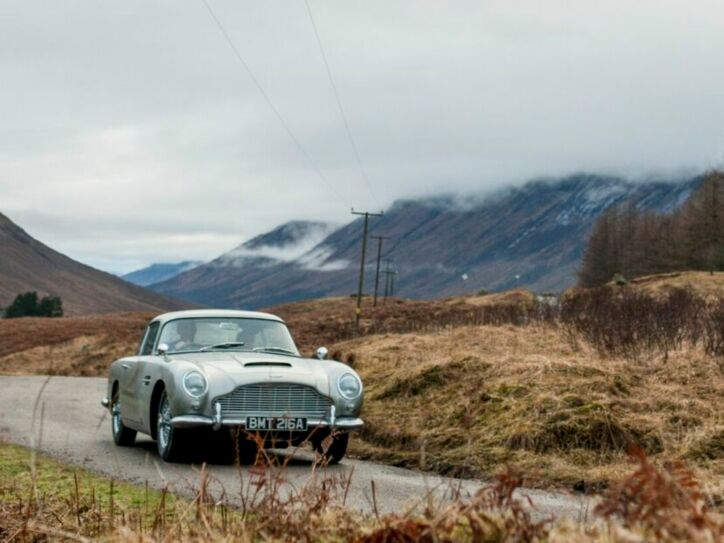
{"x": 151, "y": 334}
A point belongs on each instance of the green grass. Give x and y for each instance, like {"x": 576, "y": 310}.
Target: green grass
{"x": 64, "y": 499}
{"x": 53, "y": 477}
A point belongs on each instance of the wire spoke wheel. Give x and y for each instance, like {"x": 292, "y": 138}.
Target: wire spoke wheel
{"x": 170, "y": 441}
{"x": 122, "y": 436}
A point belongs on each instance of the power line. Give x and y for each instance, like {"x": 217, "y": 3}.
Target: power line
{"x": 347, "y": 129}
{"x": 269, "y": 102}
{"x": 366, "y": 215}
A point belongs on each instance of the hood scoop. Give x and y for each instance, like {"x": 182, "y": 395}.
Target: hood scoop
{"x": 262, "y": 364}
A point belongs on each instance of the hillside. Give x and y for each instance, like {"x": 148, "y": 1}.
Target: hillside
{"x": 27, "y": 264}
{"x": 532, "y": 237}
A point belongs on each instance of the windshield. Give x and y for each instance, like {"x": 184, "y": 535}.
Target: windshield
{"x": 229, "y": 334}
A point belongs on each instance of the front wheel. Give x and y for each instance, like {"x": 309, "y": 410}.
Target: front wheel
{"x": 169, "y": 440}
{"x": 122, "y": 435}
{"x": 331, "y": 447}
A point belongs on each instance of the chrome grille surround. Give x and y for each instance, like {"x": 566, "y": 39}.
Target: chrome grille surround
{"x": 275, "y": 400}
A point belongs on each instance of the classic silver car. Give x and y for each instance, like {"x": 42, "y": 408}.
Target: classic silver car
{"x": 231, "y": 373}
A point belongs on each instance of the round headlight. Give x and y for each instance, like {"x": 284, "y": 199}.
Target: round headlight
{"x": 195, "y": 384}
{"x": 349, "y": 386}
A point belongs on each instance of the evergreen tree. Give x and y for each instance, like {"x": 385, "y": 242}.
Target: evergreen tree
{"x": 24, "y": 305}
{"x": 50, "y": 306}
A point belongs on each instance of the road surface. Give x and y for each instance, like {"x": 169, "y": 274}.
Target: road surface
{"x": 70, "y": 425}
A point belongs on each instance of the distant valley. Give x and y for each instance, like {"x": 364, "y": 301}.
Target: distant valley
{"x": 156, "y": 273}
{"x": 26, "y": 264}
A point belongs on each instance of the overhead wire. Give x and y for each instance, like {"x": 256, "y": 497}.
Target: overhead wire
{"x": 335, "y": 92}
{"x": 271, "y": 105}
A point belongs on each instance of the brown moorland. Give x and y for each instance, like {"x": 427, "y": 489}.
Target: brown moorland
{"x": 463, "y": 399}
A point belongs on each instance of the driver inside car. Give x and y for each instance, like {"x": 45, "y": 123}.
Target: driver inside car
{"x": 186, "y": 330}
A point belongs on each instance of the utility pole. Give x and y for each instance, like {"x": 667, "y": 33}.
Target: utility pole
{"x": 366, "y": 215}
{"x": 388, "y": 274}
{"x": 392, "y": 282}
{"x": 377, "y": 272}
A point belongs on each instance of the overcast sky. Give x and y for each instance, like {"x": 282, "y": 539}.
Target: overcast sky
{"x": 130, "y": 132}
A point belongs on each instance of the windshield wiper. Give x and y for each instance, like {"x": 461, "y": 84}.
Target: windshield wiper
{"x": 279, "y": 350}
{"x": 225, "y": 345}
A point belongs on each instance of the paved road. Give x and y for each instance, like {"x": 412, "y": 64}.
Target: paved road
{"x": 70, "y": 424}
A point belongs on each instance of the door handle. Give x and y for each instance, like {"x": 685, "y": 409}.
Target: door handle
{"x": 125, "y": 366}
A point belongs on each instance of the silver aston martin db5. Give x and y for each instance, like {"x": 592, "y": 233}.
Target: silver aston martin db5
{"x": 203, "y": 374}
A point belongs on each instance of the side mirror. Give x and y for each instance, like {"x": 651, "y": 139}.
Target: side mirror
{"x": 322, "y": 353}
{"x": 162, "y": 349}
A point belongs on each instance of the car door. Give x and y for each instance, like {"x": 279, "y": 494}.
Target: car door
{"x": 131, "y": 386}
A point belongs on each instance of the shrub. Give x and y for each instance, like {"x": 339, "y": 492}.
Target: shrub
{"x": 28, "y": 305}
{"x": 629, "y": 323}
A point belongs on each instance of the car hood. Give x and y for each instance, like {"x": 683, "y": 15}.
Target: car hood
{"x": 239, "y": 368}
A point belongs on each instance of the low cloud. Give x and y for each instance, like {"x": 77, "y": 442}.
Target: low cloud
{"x": 318, "y": 259}
{"x": 303, "y": 240}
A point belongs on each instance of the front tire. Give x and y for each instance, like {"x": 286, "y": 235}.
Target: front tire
{"x": 122, "y": 435}
{"x": 170, "y": 441}
{"x": 331, "y": 447}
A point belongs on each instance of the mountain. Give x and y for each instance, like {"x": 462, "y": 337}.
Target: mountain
{"x": 532, "y": 236}
{"x": 155, "y": 273}
{"x": 26, "y": 264}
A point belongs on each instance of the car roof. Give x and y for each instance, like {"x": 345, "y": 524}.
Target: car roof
{"x": 211, "y": 313}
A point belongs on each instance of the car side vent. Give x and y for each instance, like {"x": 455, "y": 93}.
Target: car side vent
{"x": 285, "y": 364}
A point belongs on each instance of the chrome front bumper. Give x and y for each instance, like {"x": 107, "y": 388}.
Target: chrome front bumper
{"x": 194, "y": 421}
{"x": 217, "y": 421}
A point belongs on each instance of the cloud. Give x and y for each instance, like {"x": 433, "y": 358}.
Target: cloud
{"x": 304, "y": 238}
{"x": 318, "y": 260}
{"x": 131, "y": 133}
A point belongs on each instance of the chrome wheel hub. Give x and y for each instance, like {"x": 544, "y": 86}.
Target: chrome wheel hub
{"x": 116, "y": 421}
{"x": 164, "y": 424}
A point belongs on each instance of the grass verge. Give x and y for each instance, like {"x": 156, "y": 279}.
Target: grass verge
{"x": 41, "y": 499}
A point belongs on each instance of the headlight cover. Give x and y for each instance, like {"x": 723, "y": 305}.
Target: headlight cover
{"x": 349, "y": 386}
{"x": 195, "y": 384}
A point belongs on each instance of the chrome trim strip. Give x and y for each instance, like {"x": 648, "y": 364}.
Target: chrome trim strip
{"x": 191, "y": 421}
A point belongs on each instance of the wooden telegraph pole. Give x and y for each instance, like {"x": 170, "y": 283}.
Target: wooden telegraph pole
{"x": 366, "y": 215}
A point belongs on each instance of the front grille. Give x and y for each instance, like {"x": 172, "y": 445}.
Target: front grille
{"x": 275, "y": 399}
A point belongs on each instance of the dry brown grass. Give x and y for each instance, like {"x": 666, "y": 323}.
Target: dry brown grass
{"x": 43, "y": 500}
{"x": 468, "y": 400}
{"x": 516, "y": 296}
{"x": 704, "y": 284}
{"x": 68, "y": 345}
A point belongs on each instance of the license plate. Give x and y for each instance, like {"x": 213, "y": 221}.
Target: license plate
{"x": 287, "y": 424}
